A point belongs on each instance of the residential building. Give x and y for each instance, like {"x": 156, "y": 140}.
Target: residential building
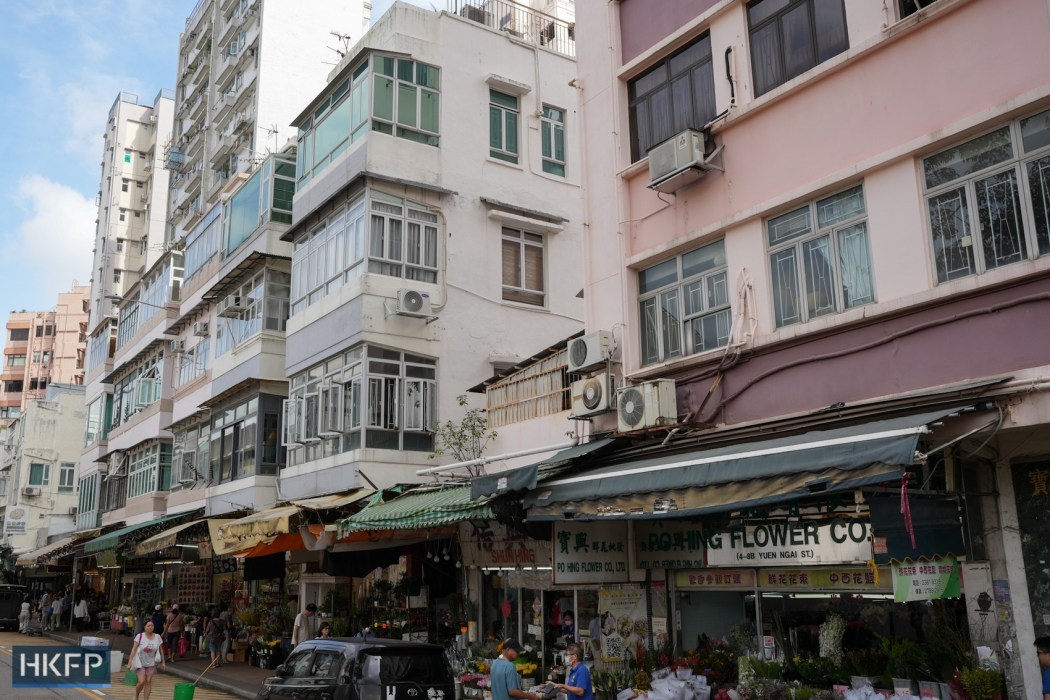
{"x": 812, "y": 214}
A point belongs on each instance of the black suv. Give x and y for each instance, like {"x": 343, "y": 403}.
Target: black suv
{"x": 361, "y": 669}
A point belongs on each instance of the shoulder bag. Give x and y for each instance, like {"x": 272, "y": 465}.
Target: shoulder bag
{"x": 133, "y": 662}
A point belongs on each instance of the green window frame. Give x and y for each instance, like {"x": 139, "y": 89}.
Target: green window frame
{"x": 552, "y": 138}
{"x": 504, "y": 114}
{"x": 39, "y": 474}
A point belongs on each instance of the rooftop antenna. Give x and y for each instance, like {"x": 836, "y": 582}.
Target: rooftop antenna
{"x": 344, "y": 39}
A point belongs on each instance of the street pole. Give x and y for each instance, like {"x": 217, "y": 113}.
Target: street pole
{"x": 73, "y": 594}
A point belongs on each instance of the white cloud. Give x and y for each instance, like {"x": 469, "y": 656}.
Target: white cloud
{"x": 51, "y": 246}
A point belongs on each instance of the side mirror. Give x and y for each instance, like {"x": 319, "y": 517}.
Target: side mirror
{"x": 282, "y": 671}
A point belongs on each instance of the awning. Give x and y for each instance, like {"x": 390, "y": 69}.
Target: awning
{"x": 244, "y": 533}
{"x": 314, "y": 539}
{"x": 697, "y": 501}
{"x": 887, "y": 442}
{"x": 524, "y": 478}
{"x": 111, "y": 540}
{"x": 420, "y": 508}
{"x": 31, "y": 558}
{"x": 167, "y": 538}
{"x": 335, "y": 500}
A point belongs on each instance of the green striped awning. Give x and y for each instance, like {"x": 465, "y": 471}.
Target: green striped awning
{"x": 110, "y": 540}
{"x": 419, "y": 508}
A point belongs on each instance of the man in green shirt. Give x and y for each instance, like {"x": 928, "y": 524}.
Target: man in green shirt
{"x": 504, "y": 676}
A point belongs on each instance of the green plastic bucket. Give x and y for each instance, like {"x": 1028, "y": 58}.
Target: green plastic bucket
{"x": 184, "y": 691}
{"x": 131, "y": 678}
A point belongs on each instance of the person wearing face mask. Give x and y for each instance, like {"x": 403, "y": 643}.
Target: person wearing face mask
{"x": 578, "y": 680}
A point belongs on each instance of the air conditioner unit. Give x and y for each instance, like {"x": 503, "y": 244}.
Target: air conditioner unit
{"x": 31, "y": 491}
{"x": 153, "y": 119}
{"x": 646, "y": 405}
{"x": 72, "y": 510}
{"x": 590, "y": 396}
{"x": 677, "y": 162}
{"x": 413, "y": 303}
{"x": 200, "y": 329}
{"x": 177, "y": 345}
{"x": 589, "y": 351}
{"x": 231, "y": 305}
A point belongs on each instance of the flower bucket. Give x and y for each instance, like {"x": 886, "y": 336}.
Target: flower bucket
{"x": 903, "y": 687}
{"x": 184, "y": 691}
{"x": 859, "y": 682}
{"x": 931, "y": 690}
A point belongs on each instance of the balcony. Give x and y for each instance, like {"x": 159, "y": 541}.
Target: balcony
{"x": 521, "y": 22}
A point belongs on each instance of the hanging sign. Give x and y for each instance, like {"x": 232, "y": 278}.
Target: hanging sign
{"x": 926, "y": 580}
{"x": 486, "y": 543}
{"x": 15, "y": 522}
{"x": 668, "y": 545}
{"x": 787, "y": 543}
{"x": 590, "y": 552}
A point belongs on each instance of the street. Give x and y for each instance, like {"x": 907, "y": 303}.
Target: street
{"x": 163, "y": 683}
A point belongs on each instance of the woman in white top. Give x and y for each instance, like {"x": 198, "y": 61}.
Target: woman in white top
{"x": 23, "y": 616}
{"x": 147, "y": 645}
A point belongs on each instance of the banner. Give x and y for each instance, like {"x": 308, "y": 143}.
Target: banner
{"x": 624, "y": 623}
{"x": 926, "y": 580}
{"x": 487, "y": 543}
{"x": 590, "y": 552}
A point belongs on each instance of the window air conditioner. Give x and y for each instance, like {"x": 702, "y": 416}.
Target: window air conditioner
{"x": 590, "y": 396}
{"x": 231, "y": 306}
{"x": 589, "y": 351}
{"x": 31, "y": 491}
{"x": 411, "y": 302}
{"x": 678, "y": 161}
{"x": 177, "y": 345}
{"x": 72, "y": 510}
{"x": 646, "y": 405}
{"x": 200, "y": 329}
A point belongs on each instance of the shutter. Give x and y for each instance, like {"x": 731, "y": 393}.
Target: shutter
{"x": 511, "y": 264}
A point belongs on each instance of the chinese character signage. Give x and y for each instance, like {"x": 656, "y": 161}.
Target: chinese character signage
{"x": 668, "y": 545}
{"x": 590, "y": 552}
{"x": 836, "y": 578}
{"x": 715, "y": 579}
{"x": 487, "y": 543}
{"x": 926, "y": 580}
{"x": 786, "y": 543}
{"x": 15, "y": 523}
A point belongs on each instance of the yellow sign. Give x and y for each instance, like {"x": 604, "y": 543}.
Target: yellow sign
{"x": 715, "y": 579}
{"x": 838, "y": 578}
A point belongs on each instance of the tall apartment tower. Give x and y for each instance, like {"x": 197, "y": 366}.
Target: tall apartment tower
{"x": 43, "y": 348}
{"x": 245, "y": 67}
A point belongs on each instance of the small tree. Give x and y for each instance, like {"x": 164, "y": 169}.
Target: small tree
{"x": 466, "y": 439}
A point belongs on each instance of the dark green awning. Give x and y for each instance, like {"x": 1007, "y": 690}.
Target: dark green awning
{"x": 111, "y": 540}
{"x": 885, "y": 442}
{"x": 524, "y": 478}
{"x": 419, "y": 508}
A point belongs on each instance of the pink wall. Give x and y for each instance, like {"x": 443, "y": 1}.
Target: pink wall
{"x": 940, "y": 73}
{"x": 643, "y": 23}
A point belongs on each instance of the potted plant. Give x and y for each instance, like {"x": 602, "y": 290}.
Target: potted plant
{"x": 981, "y": 683}
{"x": 903, "y": 658}
{"x": 865, "y": 666}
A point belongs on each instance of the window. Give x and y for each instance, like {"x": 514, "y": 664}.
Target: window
{"x": 117, "y": 273}
{"x": 39, "y": 474}
{"x": 66, "y": 474}
{"x": 552, "y": 136}
{"x": 19, "y": 334}
{"x": 127, "y": 156}
{"x": 149, "y": 470}
{"x": 124, "y": 185}
{"x": 16, "y": 361}
{"x": 402, "y": 233}
{"x": 910, "y": 7}
{"x": 235, "y": 439}
{"x": 684, "y": 304}
{"x": 523, "y": 267}
{"x": 136, "y": 390}
{"x": 676, "y": 94}
{"x": 822, "y": 269}
{"x": 406, "y": 104}
{"x": 13, "y": 386}
{"x": 788, "y": 37}
{"x": 120, "y": 245}
{"x": 123, "y": 215}
{"x": 264, "y": 302}
{"x": 988, "y": 200}
{"x": 503, "y": 126}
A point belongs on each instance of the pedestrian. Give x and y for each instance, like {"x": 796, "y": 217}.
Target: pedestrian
{"x": 216, "y": 633}
{"x": 578, "y": 680}
{"x": 325, "y": 631}
{"x": 143, "y": 659}
{"x": 305, "y": 626}
{"x": 56, "y": 612}
{"x": 1042, "y": 652}
{"x": 506, "y": 683}
{"x": 23, "y": 615}
{"x": 158, "y": 618}
{"x": 173, "y": 631}
{"x": 82, "y": 615}
{"x": 45, "y": 611}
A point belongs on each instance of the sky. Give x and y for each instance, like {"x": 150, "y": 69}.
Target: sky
{"x": 62, "y": 65}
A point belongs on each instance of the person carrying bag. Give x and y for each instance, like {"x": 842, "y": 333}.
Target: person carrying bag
{"x": 143, "y": 659}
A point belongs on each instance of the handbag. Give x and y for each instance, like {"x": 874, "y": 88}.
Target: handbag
{"x": 158, "y": 657}
{"x": 134, "y": 662}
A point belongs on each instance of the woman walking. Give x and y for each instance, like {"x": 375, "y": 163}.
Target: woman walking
{"x": 216, "y": 633}
{"x": 145, "y": 652}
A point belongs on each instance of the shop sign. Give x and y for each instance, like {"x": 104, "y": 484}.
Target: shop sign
{"x": 590, "y": 552}
{"x": 15, "y": 523}
{"x": 624, "y": 621}
{"x": 926, "y": 580}
{"x": 485, "y": 543}
{"x": 715, "y": 579}
{"x": 844, "y": 578}
{"x": 780, "y": 543}
{"x": 668, "y": 545}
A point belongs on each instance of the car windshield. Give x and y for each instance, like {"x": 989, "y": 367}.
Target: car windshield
{"x": 392, "y": 666}
{"x": 308, "y": 663}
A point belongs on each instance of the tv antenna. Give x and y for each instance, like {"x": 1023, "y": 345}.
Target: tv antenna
{"x": 344, "y": 40}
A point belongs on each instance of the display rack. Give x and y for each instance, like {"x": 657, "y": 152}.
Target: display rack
{"x": 194, "y": 584}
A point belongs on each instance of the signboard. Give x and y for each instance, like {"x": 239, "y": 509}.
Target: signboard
{"x": 715, "y": 579}
{"x": 590, "y": 552}
{"x": 837, "y": 578}
{"x": 786, "y": 543}
{"x": 668, "y": 545}
{"x": 15, "y": 523}
{"x": 486, "y": 543}
{"x": 926, "y": 580}
{"x": 624, "y": 623}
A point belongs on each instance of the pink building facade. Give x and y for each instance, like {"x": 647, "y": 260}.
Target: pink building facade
{"x": 867, "y": 226}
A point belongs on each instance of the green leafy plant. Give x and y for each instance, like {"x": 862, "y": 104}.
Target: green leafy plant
{"x": 981, "y": 683}
{"x": 865, "y": 662}
{"x": 769, "y": 670}
{"x": 817, "y": 671}
{"x": 466, "y": 439}
{"x": 903, "y": 657}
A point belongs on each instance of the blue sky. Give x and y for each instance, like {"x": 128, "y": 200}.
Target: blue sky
{"x": 62, "y": 64}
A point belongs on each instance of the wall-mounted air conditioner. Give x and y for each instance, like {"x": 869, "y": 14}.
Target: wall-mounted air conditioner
{"x": 177, "y": 345}
{"x": 679, "y": 161}
{"x": 591, "y": 396}
{"x": 411, "y": 302}
{"x": 589, "y": 351}
{"x": 200, "y": 329}
{"x": 30, "y": 490}
{"x": 72, "y": 510}
{"x": 231, "y": 306}
{"x": 646, "y": 405}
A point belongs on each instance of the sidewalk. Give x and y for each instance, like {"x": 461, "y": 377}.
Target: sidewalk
{"x": 236, "y": 678}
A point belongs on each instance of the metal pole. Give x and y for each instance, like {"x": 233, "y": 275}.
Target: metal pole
{"x": 73, "y": 595}
{"x": 758, "y": 620}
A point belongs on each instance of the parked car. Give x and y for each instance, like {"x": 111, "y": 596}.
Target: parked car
{"x": 11, "y": 596}
{"x": 361, "y": 669}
